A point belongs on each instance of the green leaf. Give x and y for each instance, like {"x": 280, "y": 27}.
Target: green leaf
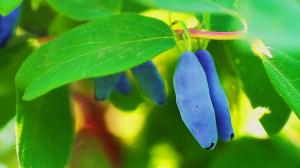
{"x": 275, "y": 22}
{"x": 284, "y": 70}
{"x": 258, "y": 86}
{"x": 193, "y": 6}
{"x": 6, "y": 6}
{"x": 106, "y": 46}
{"x": 11, "y": 58}
{"x": 270, "y": 153}
{"x": 45, "y": 130}
{"x": 86, "y": 9}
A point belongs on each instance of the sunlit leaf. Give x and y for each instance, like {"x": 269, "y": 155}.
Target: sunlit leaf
{"x": 284, "y": 70}
{"x": 258, "y": 87}
{"x": 106, "y": 46}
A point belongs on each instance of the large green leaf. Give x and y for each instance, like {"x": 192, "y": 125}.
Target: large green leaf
{"x": 284, "y": 70}
{"x": 193, "y": 6}
{"x": 86, "y": 9}
{"x": 258, "y": 87}
{"x": 45, "y": 130}
{"x": 11, "y": 58}
{"x": 276, "y": 22}
{"x": 109, "y": 45}
{"x": 6, "y": 6}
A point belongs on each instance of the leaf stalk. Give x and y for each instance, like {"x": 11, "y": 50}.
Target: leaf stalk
{"x": 202, "y": 34}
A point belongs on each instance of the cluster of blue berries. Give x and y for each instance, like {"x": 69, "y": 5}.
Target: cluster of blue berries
{"x": 7, "y": 25}
{"x": 147, "y": 77}
{"x": 201, "y": 99}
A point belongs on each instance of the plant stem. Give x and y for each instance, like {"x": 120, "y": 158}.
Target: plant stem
{"x": 206, "y": 21}
{"x": 212, "y": 35}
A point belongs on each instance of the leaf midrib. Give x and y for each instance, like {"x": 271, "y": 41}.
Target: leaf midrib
{"x": 80, "y": 56}
{"x": 283, "y": 76}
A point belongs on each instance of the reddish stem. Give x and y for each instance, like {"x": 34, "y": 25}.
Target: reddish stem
{"x": 212, "y": 35}
{"x": 95, "y": 126}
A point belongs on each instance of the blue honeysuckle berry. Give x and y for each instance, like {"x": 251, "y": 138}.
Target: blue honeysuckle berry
{"x": 123, "y": 85}
{"x": 193, "y": 100}
{"x": 146, "y": 75}
{"x": 151, "y": 82}
{"x": 217, "y": 95}
{"x": 104, "y": 86}
{"x": 7, "y": 25}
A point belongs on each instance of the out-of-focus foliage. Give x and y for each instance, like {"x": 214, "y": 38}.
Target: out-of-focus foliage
{"x": 277, "y": 111}
{"x": 61, "y": 24}
{"x": 86, "y": 10}
{"x": 129, "y": 101}
{"x": 36, "y": 21}
{"x": 88, "y": 153}
{"x": 276, "y": 23}
{"x": 192, "y": 6}
{"x": 248, "y": 152}
{"x": 10, "y": 61}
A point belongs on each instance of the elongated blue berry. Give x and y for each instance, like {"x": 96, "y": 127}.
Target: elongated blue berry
{"x": 217, "y": 95}
{"x": 151, "y": 82}
{"x": 7, "y": 25}
{"x": 193, "y": 100}
{"x": 105, "y": 85}
{"x": 123, "y": 85}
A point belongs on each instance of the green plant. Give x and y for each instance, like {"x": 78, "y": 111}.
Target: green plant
{"x": 60, "y": 46}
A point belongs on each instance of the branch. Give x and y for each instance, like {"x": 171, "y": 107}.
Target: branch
{"x": 212, "y": 35}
